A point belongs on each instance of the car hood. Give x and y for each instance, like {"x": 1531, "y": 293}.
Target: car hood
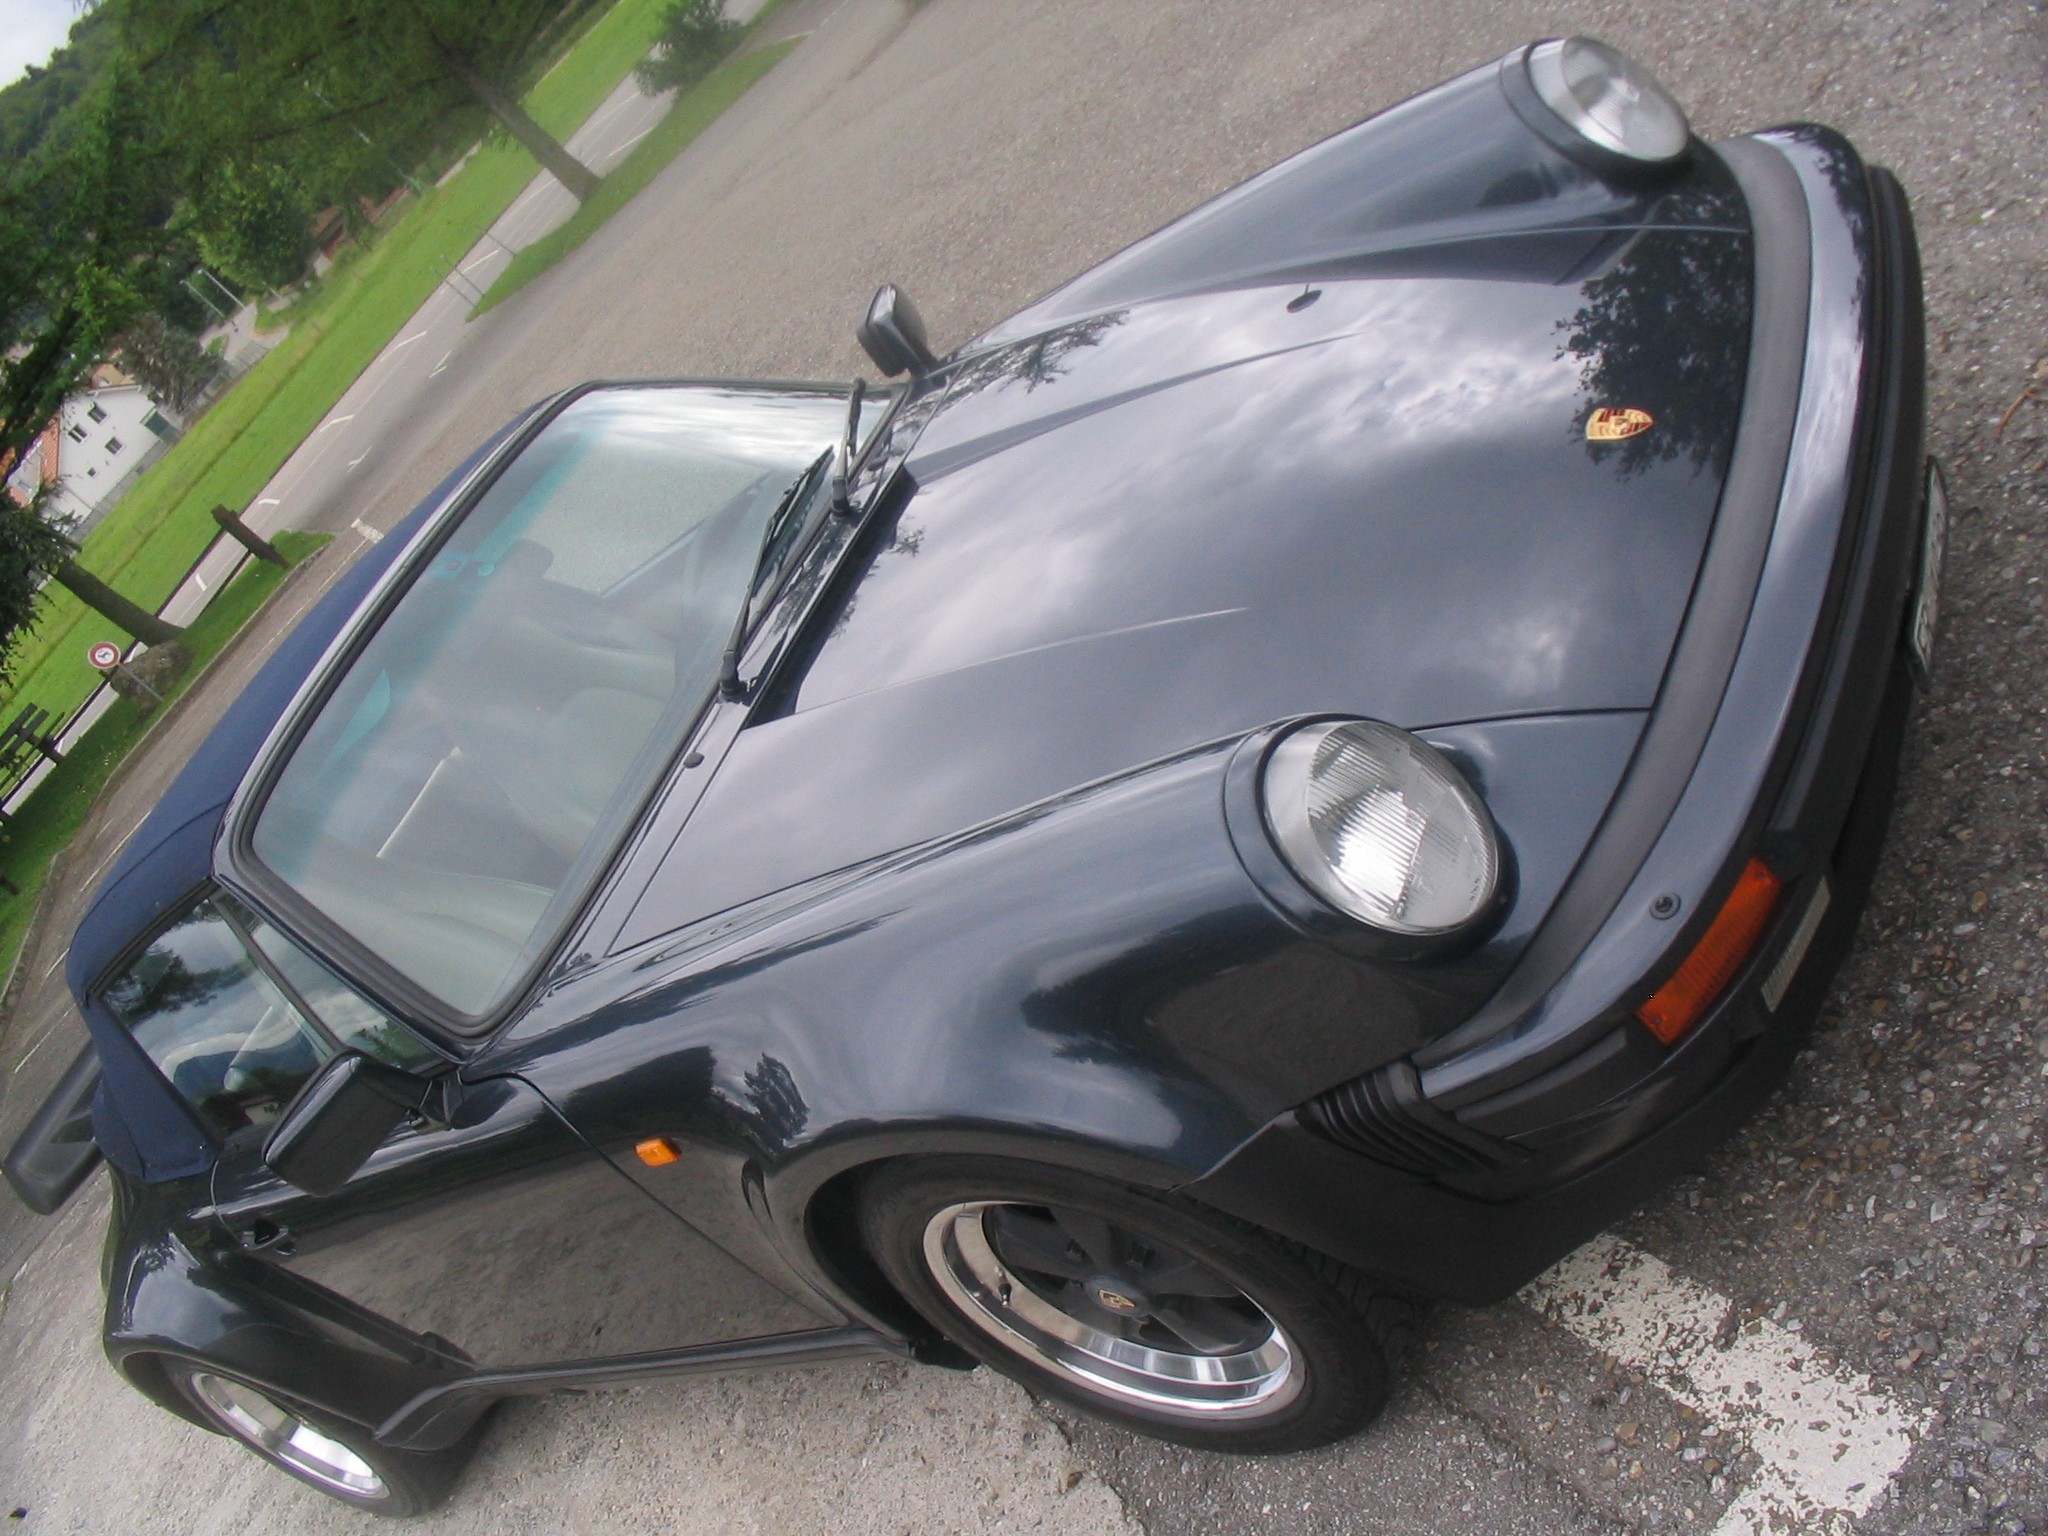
{"x": 1371, "y": 494}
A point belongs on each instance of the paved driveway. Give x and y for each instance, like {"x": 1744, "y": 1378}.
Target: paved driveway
{"x": 1869, "y": 1242}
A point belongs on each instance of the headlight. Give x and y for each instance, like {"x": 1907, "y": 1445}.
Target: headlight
{"x": 1607, "y": 100}
{"x": 1380, "y": 826}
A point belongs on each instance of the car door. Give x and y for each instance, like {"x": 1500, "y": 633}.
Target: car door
{"x": 500, "y": 1233}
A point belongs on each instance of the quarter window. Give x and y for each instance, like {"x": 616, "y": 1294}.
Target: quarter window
{"x": 229, "y": 1038}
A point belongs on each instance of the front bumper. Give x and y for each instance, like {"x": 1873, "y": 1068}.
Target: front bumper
{"x": 1465, "y": 1170}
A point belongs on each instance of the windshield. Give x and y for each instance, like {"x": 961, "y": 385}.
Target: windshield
{"x": 481, "y": 755}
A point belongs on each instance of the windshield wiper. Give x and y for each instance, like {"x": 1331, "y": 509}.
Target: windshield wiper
{"x": 729, "y": 684}
{"x": 842, "y": 473}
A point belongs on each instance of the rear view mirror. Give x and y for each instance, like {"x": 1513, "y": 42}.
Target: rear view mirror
{"x": 52, "y": 1157}
{"x": 338, "y": 1119}
{"x": 893, "y": 334}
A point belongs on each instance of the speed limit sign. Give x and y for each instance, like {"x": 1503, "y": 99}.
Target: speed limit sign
{"x": 104, "y": 655}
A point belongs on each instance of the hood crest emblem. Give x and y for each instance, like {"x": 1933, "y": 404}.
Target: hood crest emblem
{"x": 1611, "y": 423}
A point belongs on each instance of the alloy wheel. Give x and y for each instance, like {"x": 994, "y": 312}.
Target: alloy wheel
{"x": 1111, "y": 1310}
{"x": 287, "y": 1439}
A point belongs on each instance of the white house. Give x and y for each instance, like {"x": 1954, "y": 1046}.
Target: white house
{"x": 103, "y": 437}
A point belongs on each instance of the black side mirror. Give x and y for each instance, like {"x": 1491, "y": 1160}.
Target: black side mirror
{"x": 52, "y": 1157}
{"x": 338, "y": 1119}
{"x": 893, "y": 334}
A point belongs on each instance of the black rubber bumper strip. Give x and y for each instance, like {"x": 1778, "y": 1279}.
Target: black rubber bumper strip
{"x": 1717, "y": 616}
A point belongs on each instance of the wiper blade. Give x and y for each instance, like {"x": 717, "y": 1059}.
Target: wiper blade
{"x": 729, "y": 684}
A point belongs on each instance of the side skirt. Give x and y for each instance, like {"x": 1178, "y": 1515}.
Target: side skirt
{"x": 439, "y": 1415}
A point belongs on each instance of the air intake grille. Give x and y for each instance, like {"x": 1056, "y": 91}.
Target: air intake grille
{"x": 1384, "y": 1116}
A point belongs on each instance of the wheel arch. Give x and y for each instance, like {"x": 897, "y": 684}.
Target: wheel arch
{"x": 814, "y": 1208}
{"x": 272, "y": 1329}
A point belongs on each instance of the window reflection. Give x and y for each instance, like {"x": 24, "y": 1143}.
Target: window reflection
{"x": 484, "y": 749}
{"x": 222, "y": 1032}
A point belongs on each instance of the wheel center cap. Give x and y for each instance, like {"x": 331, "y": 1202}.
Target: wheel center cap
{"x": 1114, "y": 1296}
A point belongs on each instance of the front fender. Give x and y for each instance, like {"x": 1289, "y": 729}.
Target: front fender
{"x": 1094, "y": 980}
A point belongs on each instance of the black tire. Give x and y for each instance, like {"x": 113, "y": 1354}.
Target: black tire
{"x": 389, "y": 1482}
{"x": 1291, "y": 1349}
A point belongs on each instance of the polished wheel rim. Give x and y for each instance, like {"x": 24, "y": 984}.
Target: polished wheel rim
{"x": 288, "y": 1439}
{"x": 1111, "y": 1310}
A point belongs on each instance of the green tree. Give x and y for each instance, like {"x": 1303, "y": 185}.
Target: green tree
{"x": 243, "y": 76}
{"x": 29, "y": 548}
{"x": 165, "y": 360}
{"x": 695, "y": 35}
{"x": 253, "y": 224}
{"x": 82, "y": 232}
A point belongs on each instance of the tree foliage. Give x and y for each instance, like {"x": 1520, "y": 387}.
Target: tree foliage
{"x": 170, "y": 129}
{"x": 29, "y": 548}
{"x": 166, "y": 360}
{"x": 262, "y": 77}
{"x": 32, "y": 105}
{"x": 253, "y": 224}
{"x": 695, "y": 35}
{"x": 81, "y": 230}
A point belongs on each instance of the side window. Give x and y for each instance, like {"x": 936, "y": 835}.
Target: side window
{"x": 353, "y": 1020}
{"x": 228, "y": 1039}
{"x": 233, "y": 1041}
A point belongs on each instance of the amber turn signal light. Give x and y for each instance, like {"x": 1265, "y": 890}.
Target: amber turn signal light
{"x": 1704, "y": 975}
{"x": 657, "y": 1151}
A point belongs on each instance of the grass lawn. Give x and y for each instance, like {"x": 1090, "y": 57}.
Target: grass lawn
{"x": 694, "y": 110}
{"x": 46, "y": 821}
{"x": 148, "y": 542}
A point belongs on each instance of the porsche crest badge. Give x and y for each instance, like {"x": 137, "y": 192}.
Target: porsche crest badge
{"x": 1610, "y": 424}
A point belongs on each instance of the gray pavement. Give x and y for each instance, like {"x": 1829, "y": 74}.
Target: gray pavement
{"x": 1872, "y": 1238}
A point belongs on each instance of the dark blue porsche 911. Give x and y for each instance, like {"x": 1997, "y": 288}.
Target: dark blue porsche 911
{"x": 1305, "y": 772}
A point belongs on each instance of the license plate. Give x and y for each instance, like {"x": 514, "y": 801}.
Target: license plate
{"x": 1927, "y": 588}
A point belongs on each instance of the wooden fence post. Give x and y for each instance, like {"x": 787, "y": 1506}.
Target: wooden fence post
{"x": 247, "y": 537}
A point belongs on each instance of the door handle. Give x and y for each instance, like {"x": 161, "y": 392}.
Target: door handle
{"x": 265, "y": 1236}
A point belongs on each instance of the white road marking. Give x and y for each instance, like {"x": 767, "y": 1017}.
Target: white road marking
{"x": 1829, "y": 1440}
{"x": 632, "y": 141}
{"x": 25, "y": 1055}
{"x": 267, "y": 501}
{"x": 370, "y": 535}
{"x": 62, "y": 955}
{"x": 442, "y": 364}
{"x": 352, "y": 463}
{"x": 337, "y": 421}
{"x": 199, "y": 581}
{"x": 597, "y": 122}
{"x": 114, "y": 852}
{"x": 407, "y": 341}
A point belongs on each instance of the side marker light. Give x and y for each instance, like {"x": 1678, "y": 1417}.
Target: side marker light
{"x": 657, "y": 1152}
{"x": 1704, "y": 974}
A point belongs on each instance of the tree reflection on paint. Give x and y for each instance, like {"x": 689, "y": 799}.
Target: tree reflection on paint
{"x": 1664, "y": 329}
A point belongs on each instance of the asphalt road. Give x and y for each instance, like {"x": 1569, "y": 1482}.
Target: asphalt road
{"x": 1869, "y": 1243}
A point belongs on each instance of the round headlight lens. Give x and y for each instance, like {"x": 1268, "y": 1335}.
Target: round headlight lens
{"x": 1608, "y": 99}
{"x": 1382, "y": 827}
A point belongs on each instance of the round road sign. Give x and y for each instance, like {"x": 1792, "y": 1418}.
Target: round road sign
{"x": 104, "y": 655}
